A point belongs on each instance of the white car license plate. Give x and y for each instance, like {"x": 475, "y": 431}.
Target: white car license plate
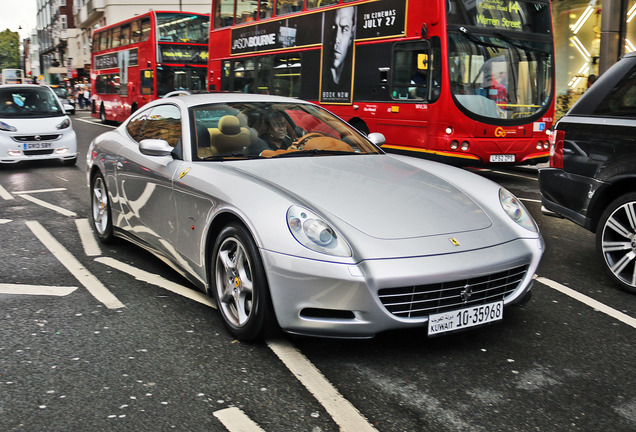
{"x": 37, "y": 146}
{"x": 464, "y": 318}
{"x": 502, "y": 158}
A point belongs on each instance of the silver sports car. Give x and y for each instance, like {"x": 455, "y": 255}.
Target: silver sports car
{"x": 289, "y": 217}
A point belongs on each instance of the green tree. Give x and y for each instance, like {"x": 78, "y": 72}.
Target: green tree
{"x": 9, "y": 49}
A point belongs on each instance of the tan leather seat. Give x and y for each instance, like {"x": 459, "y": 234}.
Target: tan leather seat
{"x": 229, "y": 137}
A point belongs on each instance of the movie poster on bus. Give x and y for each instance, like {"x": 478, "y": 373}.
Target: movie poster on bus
{"x": 340, "y": 30}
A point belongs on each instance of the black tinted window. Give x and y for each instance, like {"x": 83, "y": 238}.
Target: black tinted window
{"x": 621, "y": 100}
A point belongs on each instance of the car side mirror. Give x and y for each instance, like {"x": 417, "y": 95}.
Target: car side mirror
{"x": 376, "y": 138}
{"x": 68, "y": 107}
{"x": 155, "y": 147}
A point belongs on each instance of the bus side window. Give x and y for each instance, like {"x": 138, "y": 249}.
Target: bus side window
{"x": 415, "y": 72}
{"x": 223, "y": 13}
{"x": 135, "y": 27}
{"x": 263, "y": 84}
{"x": 313, "y": 4}
{"x": 145, "y": 29}
{"x": 124, "y": 37}
{"x": 284, "y": 7}
{"x": 287, "y": 75}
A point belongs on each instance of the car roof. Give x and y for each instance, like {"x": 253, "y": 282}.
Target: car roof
{"x": 223, "y": 97}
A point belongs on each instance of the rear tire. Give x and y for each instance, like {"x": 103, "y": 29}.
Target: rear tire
{"x": 616, "y": 241}
{"x": 239, "y": 285}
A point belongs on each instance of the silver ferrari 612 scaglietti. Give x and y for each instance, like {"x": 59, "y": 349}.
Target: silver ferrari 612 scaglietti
{"x": 288, "y": 216}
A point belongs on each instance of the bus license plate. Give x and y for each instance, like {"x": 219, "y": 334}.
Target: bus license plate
{"x": 37, "y": 146}
{"x": 502, "y": 158}
{"x": 464, "y": 318}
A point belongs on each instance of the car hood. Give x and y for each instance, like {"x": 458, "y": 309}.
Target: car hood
{"x": 378, "y": 195}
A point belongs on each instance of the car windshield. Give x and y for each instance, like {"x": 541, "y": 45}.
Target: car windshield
{"x": 258, "y": 129}
{"x": 28, "y": 102}
{"x": 60, "y": 92}
{"x": 499, "y": 77}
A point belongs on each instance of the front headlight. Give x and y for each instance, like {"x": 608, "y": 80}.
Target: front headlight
{"x": 516, "y": 210}
{"x": 7, "y": 127}
{"x": 65, "y": 124}
{"x": 314, "y": 233}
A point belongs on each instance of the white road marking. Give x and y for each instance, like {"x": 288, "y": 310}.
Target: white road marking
{"x": 530, "y": 200}
{"x": 5, "y": 221}
{"x": 4, "y": 194}
{"x": 91, "y": 247}
{"x": 90, "y": 282}
{"x": 96, "y": 123}
{"x": 341, "y": 410}
{"x": 40, "y": 191}
{"x": 624, "y": 318}
{"x": 157, "y": 280}
{"x": 236, "y": 420}
{"x": 49, "y": 206}
{"x": 59, "y": 291}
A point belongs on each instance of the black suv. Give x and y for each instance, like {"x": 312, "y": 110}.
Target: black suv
{"x": 592, "y": 174}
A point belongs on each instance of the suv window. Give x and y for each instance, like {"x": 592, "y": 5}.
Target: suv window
{"x": 621, "y": 100}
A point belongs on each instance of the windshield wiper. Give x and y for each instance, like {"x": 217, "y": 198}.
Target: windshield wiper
{"x": 314, "y": 152}
{"x": 478, "y": 41}
{"x": 231, "y": 156}
{"x": 518, "y": 44}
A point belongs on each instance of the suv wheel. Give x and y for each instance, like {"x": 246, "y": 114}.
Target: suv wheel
{"x": 616, "y": 241}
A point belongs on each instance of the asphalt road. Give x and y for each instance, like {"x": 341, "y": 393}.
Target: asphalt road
{"x": 109, "y": 338}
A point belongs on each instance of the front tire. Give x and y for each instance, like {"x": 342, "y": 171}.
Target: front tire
{"x": 616, "y": 241}
{"x": 102, "y": 115}
{"x": 240, "y": 286}
{"x": 100, "y": 209}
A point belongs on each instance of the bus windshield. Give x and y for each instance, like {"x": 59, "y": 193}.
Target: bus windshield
{"x": 499, "y": 77}
{"x": 177, "y": 27}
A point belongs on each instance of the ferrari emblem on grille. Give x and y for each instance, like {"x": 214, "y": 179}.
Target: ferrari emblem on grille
{"x": 466, "y": 293}
{"x": 454, "y": 241}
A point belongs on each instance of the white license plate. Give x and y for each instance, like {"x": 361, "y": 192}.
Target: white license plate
{"x": 502, "y": 158}
{"x": 37, "y": 146}
{"x": 464, "y": 318}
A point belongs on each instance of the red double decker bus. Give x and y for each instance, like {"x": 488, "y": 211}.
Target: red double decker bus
{"x": 467, "y": 82}
{"x": 145, "y": 57}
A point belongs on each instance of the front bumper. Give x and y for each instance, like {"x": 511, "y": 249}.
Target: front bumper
{"x": 63, "y": 148}
{"x": 338, "y": 300}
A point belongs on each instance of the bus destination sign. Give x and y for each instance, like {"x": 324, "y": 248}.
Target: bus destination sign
{"x": 511, "y": 15}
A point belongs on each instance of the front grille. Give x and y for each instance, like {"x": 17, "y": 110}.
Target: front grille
{"x": 37, "y": 152}
{"x": 32, "y": 138}
{"x": 423, "y": 300}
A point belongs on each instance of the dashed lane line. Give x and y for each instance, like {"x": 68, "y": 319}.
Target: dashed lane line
{"x": 88, "y": 280}
{"x": 340, "y": 409}
{"x": 236, "y": 420}
{"x": 39, "y": 191}
{"x": 4, "y": 194}
{"x": 95, "y": 122}
{"x": 157, "y": 280}
{"x": 90, "y": 245}
{"x": 49, "y": 206}
{"x": 22, "y": 289}
{"x": 595, "y": 304}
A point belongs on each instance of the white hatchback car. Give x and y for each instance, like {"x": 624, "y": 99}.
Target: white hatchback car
{"x": 34, "y": 126}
